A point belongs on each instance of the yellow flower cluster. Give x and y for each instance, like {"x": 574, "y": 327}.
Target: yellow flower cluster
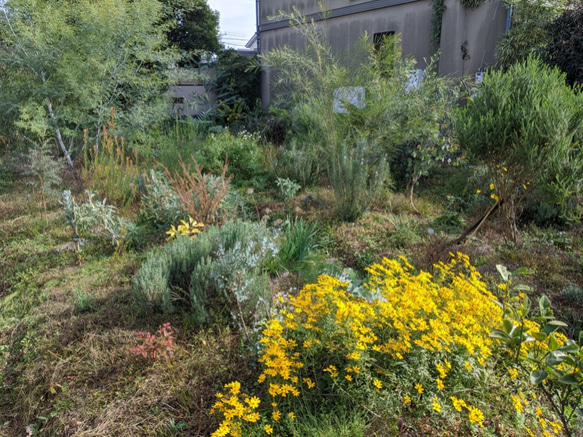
{"x": 549, "y": 426}
{"x": 327, "y": 337}
{"x": 475, "y": 415}
{"x": 190, "y": 228}
{"x": 450, "y": 310}
{"x": 517, "y": 404}
{"x": 237, "y": 408}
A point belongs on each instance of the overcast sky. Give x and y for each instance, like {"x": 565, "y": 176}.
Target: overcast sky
{"x": 237, "y": 24}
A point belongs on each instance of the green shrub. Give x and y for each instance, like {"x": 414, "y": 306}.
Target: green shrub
{"x": 287, "y": 188}
{"x": 406, "y": 232}
{"x": 160, "y": 204}
{"x": 222, "y": 267}
{"x": 94, "y": 217}
{"x": 242, "y": 152}
{"x": 298, "y": 162}
{"x": 525, "y": 126}
{"x": 356, "y": 116}
{"x": 236, "y": 85}
{"x": 357, "y": 174}
{"x": 177, "y": 139}
{"x": 450, "y": 222}
{"x": 533, "y": 346}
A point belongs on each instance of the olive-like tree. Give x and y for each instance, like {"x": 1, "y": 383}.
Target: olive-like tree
{"x": 525, "y": 126}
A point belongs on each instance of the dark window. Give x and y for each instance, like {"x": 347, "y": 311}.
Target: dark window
{"x": 378, "y": 37}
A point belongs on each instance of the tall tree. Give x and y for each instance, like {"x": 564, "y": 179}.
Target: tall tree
{"x": 70, "y": 62}
{"x": 565, "y": 48}
{"x": 193, "y": 28}
{"x": 527, "y": 33}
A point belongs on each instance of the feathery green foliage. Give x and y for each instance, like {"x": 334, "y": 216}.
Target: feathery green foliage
{"x": 46, "y": 172}
{"x": 70, "y": 62}
{"x": 356, "y": 116}
{"x": 526, "y": 127}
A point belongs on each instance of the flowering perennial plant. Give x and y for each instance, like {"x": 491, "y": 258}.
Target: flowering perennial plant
{"x": 189, "y": 229}
{"x": 237, "y": 409}
{"x": 415, "y": 339}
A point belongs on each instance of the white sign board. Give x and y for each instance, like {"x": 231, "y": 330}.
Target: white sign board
{"x": 351, "y": 95}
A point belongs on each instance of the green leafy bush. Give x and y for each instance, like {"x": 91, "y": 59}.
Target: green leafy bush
{"x": 527, "y": 34}
{"x": 241, "y": 151}
{"x": 236, "y": 85}
{"x": 565, "y": 49}
{"x": 160, "y": 204}
{"x": 356, "y": 116}
{"x": 525, "y": 126}
{"x": 287, "y": 188}
{"x": 357, "y": 175}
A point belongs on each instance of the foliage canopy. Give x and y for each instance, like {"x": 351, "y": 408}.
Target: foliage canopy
{"x": 68, "y": 63}
{"x": 565, "y": 48}
{"x": 193, "y": 28}
{"x": 527, "y": 34}
{"x": 525, "y": 126}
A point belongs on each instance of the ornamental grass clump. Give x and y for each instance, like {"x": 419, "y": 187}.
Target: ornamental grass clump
{"x": 416, "y": 344}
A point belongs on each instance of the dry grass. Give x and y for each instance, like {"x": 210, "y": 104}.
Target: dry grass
{"x": 66, "y": 371}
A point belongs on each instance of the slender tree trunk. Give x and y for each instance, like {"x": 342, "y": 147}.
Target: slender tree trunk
{"x": 59, "y": 137}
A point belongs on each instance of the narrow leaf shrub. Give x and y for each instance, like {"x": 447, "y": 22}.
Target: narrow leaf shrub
{"x": 298, "y": 240}
{"x": 221, "y": 268}
{"x": 357, "y": 175}
{"x": 526, "y": 127}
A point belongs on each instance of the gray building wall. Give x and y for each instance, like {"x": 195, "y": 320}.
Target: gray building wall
{"x": 188, "y": 96}
{"x": 478, "y": 31}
